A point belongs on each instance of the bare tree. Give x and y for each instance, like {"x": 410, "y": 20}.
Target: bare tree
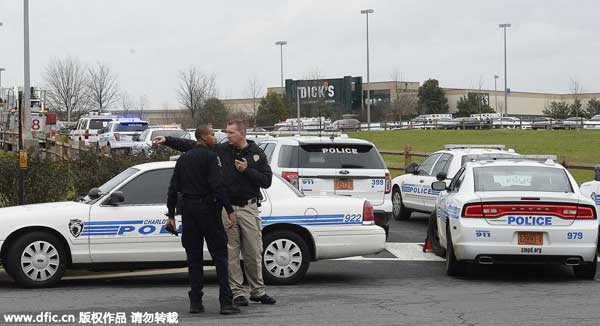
{"x": 127, "y": 102}
{"x": 102, "y": 87}
{"x": 576, "y": 88}
{"x": 195, "y": 88}
{"x": 254, "y": 90}
{"x": 66, "y": 87}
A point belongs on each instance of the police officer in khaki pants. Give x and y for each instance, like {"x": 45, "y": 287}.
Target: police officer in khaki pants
{"x": 245, "y": 171}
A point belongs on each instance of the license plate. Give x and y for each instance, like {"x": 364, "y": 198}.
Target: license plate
{"x": 344, "y": 184}
{"x": 531, "y": 238}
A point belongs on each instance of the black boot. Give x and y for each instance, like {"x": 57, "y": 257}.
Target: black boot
{"x": 196, "y": 307}
{"x": 229, "y": 310}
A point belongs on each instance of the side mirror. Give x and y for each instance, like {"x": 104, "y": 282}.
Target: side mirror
{"x": 441, "y": 176}
{"x": 94, "y": 193}
{"x": 136, "y": 138}
{"x": 597, "y": 171}
{"x": 412, "y": 168}
{"x": 115, "y": 198}
{"x": 439, "y": 186}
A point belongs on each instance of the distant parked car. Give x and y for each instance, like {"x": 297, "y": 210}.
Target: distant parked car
{"x": 344, "y": 124}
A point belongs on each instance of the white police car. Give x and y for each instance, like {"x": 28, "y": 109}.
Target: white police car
{"x": 121, "y": 133}
{"x": 516, "y": 211}
{"x": 412, "y": 191}
{"x": 122, "y": 225}
{"x": 335, "y": 165}
{"x": 143, "y": 142}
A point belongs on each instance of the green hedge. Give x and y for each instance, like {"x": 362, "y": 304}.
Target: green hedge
{"x": 51, "y": 181}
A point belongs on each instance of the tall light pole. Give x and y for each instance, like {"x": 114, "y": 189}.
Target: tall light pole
{"x": 495, "y": 93}
{"x": 366, "y": 12}
{"x": 505, "y": 26}
{"x": 281, "y": 44}
{"x": 1, "y": 70}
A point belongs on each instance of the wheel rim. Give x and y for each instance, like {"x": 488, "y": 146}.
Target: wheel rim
{"x": 283, "y": 258}
{"x": 40, "y": 261}
{"x": 397, "y": 203}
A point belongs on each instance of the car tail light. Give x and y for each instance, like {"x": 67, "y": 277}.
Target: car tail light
{"x": 565, "y": 211}
{"x": 117, "y": 136}
{"x": 388, "y": 183}
{"x": 368, "y": 216}
{"x": 86, "y": 135}
{"x": 291, "y": 177}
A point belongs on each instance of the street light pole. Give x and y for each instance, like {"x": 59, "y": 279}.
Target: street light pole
{"x": 27, "y": 85}
{"x": 281, "y": 44}
{"x": 496, "y": 93}
{"x": 366, "y": 12}
{"x": 505, "y": 26}
{"x": 1, "y": 70}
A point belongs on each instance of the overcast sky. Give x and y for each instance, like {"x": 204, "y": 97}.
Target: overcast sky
{"x": 146, "y": 42}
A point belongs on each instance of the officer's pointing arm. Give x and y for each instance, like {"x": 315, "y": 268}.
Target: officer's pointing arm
{"x": 215, "y": 181}
{"x": 180, "y": 144}
{"x": 262, "y": 174}
{"x": 174, "y": 188}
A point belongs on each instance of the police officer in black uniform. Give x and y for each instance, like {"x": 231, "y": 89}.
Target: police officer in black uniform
{"x": 198, "y": 177}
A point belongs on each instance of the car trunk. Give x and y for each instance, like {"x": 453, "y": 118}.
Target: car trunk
{"x": 354, "y": 170}
{"x": 530, "y": 208}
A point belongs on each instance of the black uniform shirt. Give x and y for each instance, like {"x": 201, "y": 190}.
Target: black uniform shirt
{"x": 198, "y": 174}
{"x": 240, "y": 185}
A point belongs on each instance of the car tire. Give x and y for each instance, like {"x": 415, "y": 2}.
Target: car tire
{"x": 285, "y": 257}
{"x": 399, "y": 211}
{"x": 453, "y": 266}
{"x": 586, "y": 271}
{"x": 433, "y": 236}
{"x": 49, "y": 254}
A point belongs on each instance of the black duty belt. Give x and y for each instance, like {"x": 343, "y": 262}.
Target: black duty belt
{"x": 242, "y": 203}
{"x": 194, "y": 197}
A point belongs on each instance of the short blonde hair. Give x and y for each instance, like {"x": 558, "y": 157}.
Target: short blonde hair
{"x": 240, "y": 125}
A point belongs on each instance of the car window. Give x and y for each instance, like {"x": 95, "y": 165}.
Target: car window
{"x": 521, "y": 178}
{"x": 288, "y": 157}
{"x": 110, "y": 184}
{"x": 339, "y": 156}
{"x": 427, "y": 164}
{"x": 442, "y": 164}
{"x": 457, "y": 180}
{"x": 149, "y": 188}
{"x": 130, "y": 126}
{"x": 98, "y": 123}
{"x": 171, "y": 133}
{"x": 144, "y": 135}
{"x": 269, "y": 148}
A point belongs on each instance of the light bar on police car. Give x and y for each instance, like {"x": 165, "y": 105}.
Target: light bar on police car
{"x": 484, "y": 146}
{"x": 513, "y": 157}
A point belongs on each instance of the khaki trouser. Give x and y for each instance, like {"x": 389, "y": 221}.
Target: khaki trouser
{"x": 245, "y": 237}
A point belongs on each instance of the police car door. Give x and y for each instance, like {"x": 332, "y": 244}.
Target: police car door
{"x": 133, "y": 230}
{"x": 447, "y": 206}
{"x": 415, "y": 185}
{"x": 430, "y": 195}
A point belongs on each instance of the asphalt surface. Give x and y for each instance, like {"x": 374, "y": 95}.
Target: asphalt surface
{"x": 381, "y": 290}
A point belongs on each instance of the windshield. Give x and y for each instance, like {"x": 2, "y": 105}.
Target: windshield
{"x": 340, "y": 156}
{"x": 98, "y": 123}
{"x": 170, "y": 133}
{"x": 521, "y": 178}
{"x": 131, "y": 126}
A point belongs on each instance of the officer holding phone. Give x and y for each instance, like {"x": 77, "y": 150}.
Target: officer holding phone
{"x": 198, "y": 177}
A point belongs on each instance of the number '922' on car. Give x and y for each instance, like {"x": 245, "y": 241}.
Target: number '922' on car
{"x": 516, "y": 210}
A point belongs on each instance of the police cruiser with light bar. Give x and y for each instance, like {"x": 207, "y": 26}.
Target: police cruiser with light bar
{"x": 507, "y": 210}
{"x": 412, "y": 191}
{"x": 121, "y": 225}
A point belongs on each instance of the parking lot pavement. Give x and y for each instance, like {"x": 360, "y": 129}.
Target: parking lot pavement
{"x": 413, "y": 230}
{"x": 384, "y": 290}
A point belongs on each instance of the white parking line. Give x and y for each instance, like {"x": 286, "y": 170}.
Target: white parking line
{"x": 403, "y": 252}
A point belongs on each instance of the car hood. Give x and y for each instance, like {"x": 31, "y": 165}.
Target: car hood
{"x": 45, "y": 210}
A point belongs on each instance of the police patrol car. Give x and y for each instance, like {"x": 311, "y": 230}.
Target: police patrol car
{"x": 121, "y": 224}
{"x": 507, "y": 210}
{"x": 143, "y": 142}
{"x": 335, "y": 165}
{"x": 120, "y": 133}
{"x": 412, "y": 191}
